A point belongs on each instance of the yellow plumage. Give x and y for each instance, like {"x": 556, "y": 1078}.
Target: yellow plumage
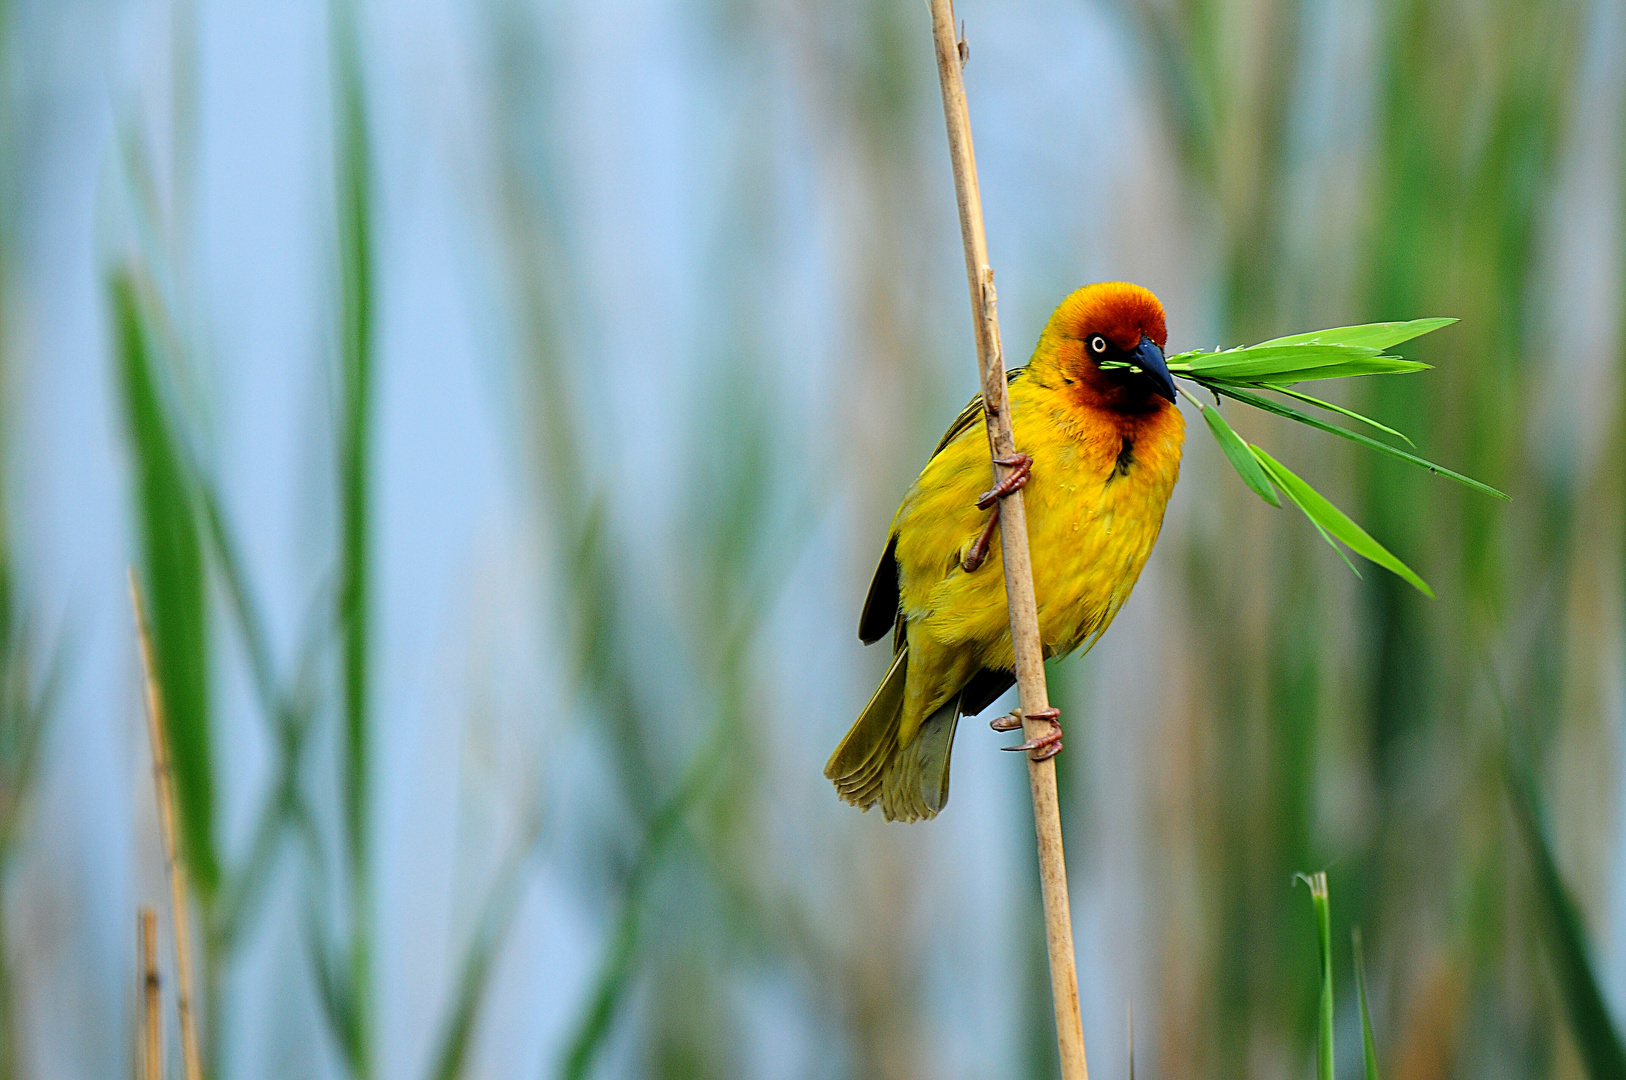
{"x": 1105, "y": 447}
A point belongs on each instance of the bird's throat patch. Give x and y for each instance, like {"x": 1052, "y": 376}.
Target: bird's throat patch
{"x": 1126, "y": 458}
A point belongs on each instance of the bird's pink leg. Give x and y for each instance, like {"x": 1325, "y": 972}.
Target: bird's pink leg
{"x": 1044, "y": 746}
{"x": 979, "y": 550}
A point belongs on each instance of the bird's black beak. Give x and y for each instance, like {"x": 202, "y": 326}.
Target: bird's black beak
{"x": 1149, "y": 358}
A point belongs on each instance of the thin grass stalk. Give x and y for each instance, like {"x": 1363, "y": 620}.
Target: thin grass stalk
{"x": 450, "y": 1060}
{"x": 1323, "y": 934}
{"x": 353, "y": 181}
{"x": 152, "y": 1047}
{"x": 15, "y": 718}
{"x": 192, "y": 1059}
{"x": 1018, "y": 566}
{"x": 1563, "y": 935}
{"x": 1369, "y": 1049}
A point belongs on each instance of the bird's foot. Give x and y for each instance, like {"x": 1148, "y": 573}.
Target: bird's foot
{"x": 1021, "y": 467}
{"x": 1041, "y": 747}
{"x": 979, "y": 550}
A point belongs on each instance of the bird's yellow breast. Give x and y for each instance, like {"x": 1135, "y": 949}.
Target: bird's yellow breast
{"x": 1094, "y": 504}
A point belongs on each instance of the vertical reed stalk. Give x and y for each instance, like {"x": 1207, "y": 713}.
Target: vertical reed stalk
{"x": 353, "y": 175}
{"x": 1013, "y": 533}
{"x": 152, "y": 1066}
{"x": 192, "y": 1059}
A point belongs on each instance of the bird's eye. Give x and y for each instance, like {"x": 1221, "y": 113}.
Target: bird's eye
{"x": 1098, "y": 344}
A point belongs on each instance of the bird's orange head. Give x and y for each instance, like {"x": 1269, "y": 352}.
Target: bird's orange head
{"x": 1106, "y": 342}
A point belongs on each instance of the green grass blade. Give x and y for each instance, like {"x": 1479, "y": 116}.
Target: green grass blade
{"x": 450, "y": 1061}
{"x": 355, "y": 436}
{"x": 618, "y": 966}
{"x": 334, "y": 993}
{"x": 175, "y": 574}
{"x": 1250, "y": 398}
{"x": 353, "y": 183}
{"x": 1323, "y": 935}
{"x": 1380, "y": 336}
{"x": 1341, "y": 411}
{"x": 1277, "y": 361}
{"x": 1564, "y": 936}
{"x": 1237, "y": 453}
{"x": 1372, "y": 365}
{"x": 1369, "y": 1050}
{"x": 1333, "y": 521}
{"x": 250, "y": 623}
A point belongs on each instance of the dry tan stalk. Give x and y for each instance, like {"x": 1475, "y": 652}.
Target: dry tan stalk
{"x": 152, "y": 1062}
{"x": 1013, "y": 533}
{"x": 191, "y": 1058}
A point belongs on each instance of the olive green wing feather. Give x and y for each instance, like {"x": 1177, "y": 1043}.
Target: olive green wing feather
{"x": 880, "y": 613}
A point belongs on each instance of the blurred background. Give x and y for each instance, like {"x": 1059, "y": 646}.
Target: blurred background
{"x": 503, "y": 403}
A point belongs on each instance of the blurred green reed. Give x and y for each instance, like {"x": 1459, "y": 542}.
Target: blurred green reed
{"x": 30, "y": 674}
{"x": 1326, "y": 1008}
{"x": 1557, "y": 922}
{"x": 347, "y": 991}
{"x": 1369, "y": 1049}
{"x": 1565, "y": 941}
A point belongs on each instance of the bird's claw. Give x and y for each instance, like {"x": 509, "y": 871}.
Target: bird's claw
{"x": 1021, "y": 467}
{"x": 1041, "y": 747}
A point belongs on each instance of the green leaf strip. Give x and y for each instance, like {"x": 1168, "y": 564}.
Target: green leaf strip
{"x": 1278, "y": 409}
{"x": 1341, "y": 411}
{"x": 1379, "y": 336}
{"x": 1257, "y": 360}
{"x": 1332, "y": 520}
{"x": 1374, "y": 365}
{"x": 1241, "y": 459}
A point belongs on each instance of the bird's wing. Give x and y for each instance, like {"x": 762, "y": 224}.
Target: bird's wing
{"x": 881, "y": 605}
{"x": 880, "y": 612}
{"x": 972, "y": 413}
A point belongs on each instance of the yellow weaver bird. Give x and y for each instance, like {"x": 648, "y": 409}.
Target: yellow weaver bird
{"x": 1094, "y": 412}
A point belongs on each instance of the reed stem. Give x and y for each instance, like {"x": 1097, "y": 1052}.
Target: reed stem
{"x": 1013, "y": 533}
{"x": 191, "y": 1058}
{"x": 152, "y": 1067}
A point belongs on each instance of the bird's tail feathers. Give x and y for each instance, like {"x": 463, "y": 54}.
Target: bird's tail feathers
{"x": 910, "y": 782}
{"x": 915, "y": 786}
{"x": 857, "y": 763}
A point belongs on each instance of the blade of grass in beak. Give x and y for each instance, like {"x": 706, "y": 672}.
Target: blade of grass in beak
{"x": 1382, "y": 335}
{"x": 1249, "y": 398}
{"x": 1372, "y": 365}
{"x": 1369, "y": 1050}
{"x": 1334, "y": 522}
{"x": 1238, "y": 454}
{"x": 1276, "y": 361}
{"x": 1341, "y": 411}
{"x": 1323, "y": 935}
